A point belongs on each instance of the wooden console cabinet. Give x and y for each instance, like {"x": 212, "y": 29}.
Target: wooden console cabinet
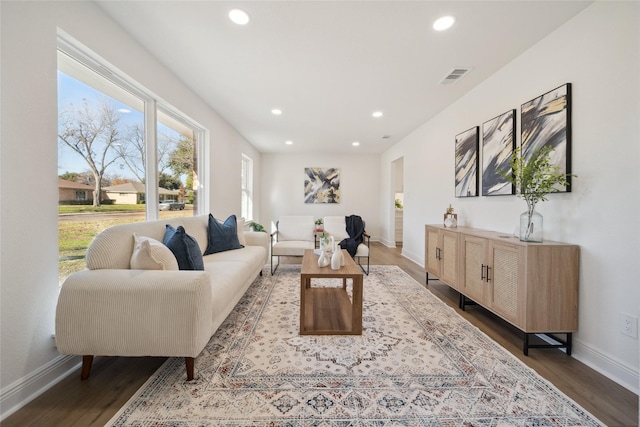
{"x": 441, "y": 249}
{"x": 533, "y": 286}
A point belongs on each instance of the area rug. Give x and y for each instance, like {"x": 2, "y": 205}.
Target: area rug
{"x": 417, "y": 363}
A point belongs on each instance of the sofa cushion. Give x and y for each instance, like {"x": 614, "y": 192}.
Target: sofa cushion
{"x": 222, "y": 237}
{"x": 150, "y": 254}
{"x": 296, "y": 228}
{"x": 336, "y": 226}
{"x": 184, "y": 247}
{"x": 291, "y": 247}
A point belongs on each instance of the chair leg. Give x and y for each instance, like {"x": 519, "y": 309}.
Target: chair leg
{"x": 190, "y": 363}
{"x": 273, "y": 270}
{"x": 362, "y": 268}
{"x": 87, "y": 360}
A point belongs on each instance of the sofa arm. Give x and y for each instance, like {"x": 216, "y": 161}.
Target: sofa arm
{"x": 258, "y": 238}
{"x": 114, "y": 312}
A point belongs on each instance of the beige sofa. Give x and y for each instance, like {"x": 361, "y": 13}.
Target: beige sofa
{"x": 111, "y": 310}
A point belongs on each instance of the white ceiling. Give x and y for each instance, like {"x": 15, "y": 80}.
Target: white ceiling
{"x": 328, "y": 65}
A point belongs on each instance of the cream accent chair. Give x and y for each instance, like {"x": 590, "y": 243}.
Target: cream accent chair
{"x": 336, "y": 226}
{"x": 293, "y": 235}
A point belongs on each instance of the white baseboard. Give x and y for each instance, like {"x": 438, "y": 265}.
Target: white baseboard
{"x": 387, "y": 243}
{"x": 20, "y": 392}
{"x": 413, "y": 257}
{"x": 611, "y": 368}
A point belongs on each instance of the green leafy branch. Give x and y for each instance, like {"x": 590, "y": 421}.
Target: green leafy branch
{"x": 536, "y": 177}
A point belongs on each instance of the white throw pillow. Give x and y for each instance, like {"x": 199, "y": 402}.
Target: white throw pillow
{"x": 150, "y": 254}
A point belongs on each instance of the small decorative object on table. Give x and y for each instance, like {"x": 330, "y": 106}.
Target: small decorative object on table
{"x": 324, "y": 241}
{"x": 319, "y": 225}
{"x": 534, "y": 178}
{"x": 324, "y": 259}
{"x": 325, "y": 250}
{"x": 335, "y": 255}
{"x": 450, "y": 218}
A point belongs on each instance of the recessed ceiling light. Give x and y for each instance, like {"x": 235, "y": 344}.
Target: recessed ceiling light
{"x": 239, "y": 16}
{"x": 443, "y": 23}
{"x": 289, "y": 142}
{"x": 355, "y": 143}
{"x": 276, "y": 111}
{"x": 377, "y": 114}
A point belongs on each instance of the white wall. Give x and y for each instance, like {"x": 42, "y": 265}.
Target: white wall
{"x": 282, "y": 184}
{"x": 28, "y": 250}
{"x": 598, "y": 52}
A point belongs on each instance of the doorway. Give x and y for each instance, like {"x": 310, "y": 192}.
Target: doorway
{"x": 397, "y": 189}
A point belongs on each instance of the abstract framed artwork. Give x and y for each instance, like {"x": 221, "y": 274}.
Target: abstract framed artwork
{"x": 498, "y": 142}
{"x": 321, "y": 185}
{"x": 467, "y": 163}
{"x": 546, "y": 121}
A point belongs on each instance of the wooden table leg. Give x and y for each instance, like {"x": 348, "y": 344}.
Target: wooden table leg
{"x": 356, "y": 311}
{"x": 303, "y": 287}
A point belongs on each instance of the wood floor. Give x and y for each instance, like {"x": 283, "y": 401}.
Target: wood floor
{"x": 114, "y": 380}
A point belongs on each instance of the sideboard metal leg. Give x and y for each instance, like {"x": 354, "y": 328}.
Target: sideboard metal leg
{"x": 566, "y": 344}
{"x": 427, "y": 279}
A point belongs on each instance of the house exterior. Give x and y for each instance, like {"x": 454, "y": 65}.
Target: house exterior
{"x": 133, "y": 193}
{"x": 74, "y": 192}
{"x": 600, "y": 214}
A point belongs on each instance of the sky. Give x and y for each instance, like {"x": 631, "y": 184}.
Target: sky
{"x": 73, "y": 91}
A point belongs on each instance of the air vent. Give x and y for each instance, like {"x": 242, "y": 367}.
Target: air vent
{"x": 454, "y": 75}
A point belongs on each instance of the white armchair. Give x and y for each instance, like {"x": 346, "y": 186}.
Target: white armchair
{"x": 293, "y": 235}
{"x": 336, "y": 226}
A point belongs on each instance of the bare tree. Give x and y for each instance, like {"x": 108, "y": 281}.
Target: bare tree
{"x": 92, "y": 132}
{"x": 132, "y": 151}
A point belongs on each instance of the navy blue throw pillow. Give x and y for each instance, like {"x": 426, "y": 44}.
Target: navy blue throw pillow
{"x": 222, "y": 237}
{"x": 184, "y": 247}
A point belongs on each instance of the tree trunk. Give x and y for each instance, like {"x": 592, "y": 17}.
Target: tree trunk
{"x": 97, "y": 191}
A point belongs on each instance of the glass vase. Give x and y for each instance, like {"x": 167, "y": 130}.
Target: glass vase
{"x": 324, "y": 243}
{"x": 531, "y": 226}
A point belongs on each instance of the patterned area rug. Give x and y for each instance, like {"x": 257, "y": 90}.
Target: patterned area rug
{"x": 417, "y": 363}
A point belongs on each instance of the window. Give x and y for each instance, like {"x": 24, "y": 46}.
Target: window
{"x": 108, "y": 144}
{"x": 177, "y": 154}
{"x": 247, "y": 187}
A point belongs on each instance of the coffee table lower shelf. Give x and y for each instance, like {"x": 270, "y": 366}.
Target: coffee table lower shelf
{"x": 328, "y": 311}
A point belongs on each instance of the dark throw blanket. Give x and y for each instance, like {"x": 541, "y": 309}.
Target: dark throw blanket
{"x": 355, "y": 230}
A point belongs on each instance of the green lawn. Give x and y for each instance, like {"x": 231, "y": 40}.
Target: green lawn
{"x": 70, "y": 209}
{"x": 74, "y": 237}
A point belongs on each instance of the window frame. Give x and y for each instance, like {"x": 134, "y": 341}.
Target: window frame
{"x": 246, "y": 184}
{"x": 152, "y": 105}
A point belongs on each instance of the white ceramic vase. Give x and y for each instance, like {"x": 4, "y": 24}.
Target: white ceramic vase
{"x": 323, "y": 261}
{"x": 335, "y": 257}
{"x": 335, "y": 260}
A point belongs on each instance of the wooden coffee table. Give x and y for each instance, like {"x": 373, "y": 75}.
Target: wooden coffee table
{"x": 329, "y": 310}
